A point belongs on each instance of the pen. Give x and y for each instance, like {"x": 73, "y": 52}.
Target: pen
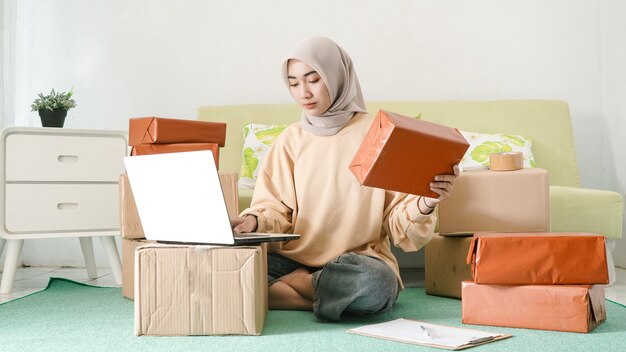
{"x": 426, "y": 332}
{"x": 476, "y": 340}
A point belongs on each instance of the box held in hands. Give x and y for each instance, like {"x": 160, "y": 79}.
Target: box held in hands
{"x": 404, "y": 154}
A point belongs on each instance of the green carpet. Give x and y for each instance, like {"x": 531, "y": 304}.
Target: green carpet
{"x": 68, "y": 316}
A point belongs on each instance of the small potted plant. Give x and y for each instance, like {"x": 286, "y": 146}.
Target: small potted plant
{"x": 53, "y": 107}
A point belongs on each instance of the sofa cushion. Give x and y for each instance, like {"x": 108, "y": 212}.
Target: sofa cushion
{"x": 258, "y": 139}
{"x": 586, "y": 210}
{"x": 483, "y": 144}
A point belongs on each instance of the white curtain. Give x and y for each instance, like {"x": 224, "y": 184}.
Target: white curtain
{"x": 8, "y": 16}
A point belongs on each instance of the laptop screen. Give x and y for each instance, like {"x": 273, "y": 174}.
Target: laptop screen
{"x": 179, "y": 197}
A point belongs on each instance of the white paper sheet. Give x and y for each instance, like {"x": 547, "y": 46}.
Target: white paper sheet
{"x": 422, "y": 333}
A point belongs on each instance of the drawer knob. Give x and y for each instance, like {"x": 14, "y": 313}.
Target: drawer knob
{"x": 67, "y": 206}
{"x": 68, "y": 158}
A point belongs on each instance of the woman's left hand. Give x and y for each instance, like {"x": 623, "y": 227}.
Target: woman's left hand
{"x": 442, "y": 185}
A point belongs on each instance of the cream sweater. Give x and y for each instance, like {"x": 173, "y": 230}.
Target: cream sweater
{"x": 304, "y": 186}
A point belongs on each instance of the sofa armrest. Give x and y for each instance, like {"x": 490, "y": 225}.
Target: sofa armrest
{"x": 586, "y": 210}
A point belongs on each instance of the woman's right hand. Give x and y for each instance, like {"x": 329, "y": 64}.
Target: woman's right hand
{"x": 244, "y": 224}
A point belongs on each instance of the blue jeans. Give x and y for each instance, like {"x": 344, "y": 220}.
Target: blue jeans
{"x": 352, "y": 283}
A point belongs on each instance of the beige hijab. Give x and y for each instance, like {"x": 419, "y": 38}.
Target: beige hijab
{"x": 335, "y": 67}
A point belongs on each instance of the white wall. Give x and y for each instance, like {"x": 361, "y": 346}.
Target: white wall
{"x": 166, "y": 58}
{"x": 613, "y": 21}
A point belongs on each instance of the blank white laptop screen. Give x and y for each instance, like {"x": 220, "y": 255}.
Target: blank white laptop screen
{"x": 179, "y": 197}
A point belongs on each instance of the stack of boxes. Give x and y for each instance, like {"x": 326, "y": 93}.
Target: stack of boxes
{"x": 483, "y": 201}
{"x": 495, "y": 252}
{"x": 548, "y": 281}
{"x": 182, "y": 289}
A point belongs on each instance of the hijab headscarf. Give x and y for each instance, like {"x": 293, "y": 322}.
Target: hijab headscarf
{"x": 334, "y": 65}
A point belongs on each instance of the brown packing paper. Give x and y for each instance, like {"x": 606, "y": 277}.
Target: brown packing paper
{"x": 404, "y": 154}
{"x": 200, "y": 290}
{"x": 445, "y": 265}
{"x": 551, "y": 258}
{"x": 545, "y": 307}
{"x": 513, "y": 201}
{"x": 507, "y": 161}
{"x": 130, "y": 224}
{"x": 161, "y": 130}
{"x": 149, "y": 149}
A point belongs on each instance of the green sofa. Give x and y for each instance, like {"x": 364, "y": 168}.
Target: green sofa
{"x": 545, "y": 122}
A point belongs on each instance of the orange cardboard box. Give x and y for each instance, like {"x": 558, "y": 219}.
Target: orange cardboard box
{"x": 148, "y": 149}
{"x": 445, "y": 266}
{"x": 550, "y": 258}
{"x": 130, "y": 223}
{"x": 142, "y": 130}
{"x": 404, "y": 154}
{"x": 497, "y": 201}
{"x": 545, "y": 307}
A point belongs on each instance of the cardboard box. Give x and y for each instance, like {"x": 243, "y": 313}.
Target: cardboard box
{"x": 162, "y": 130}
{"x": 446, "y": 266}
{"x": 128, "y": 265}
{"x": 200, "y": 290}
{"x": 497, "y": 201}
{"x": 551, "y": 258}
{"x": 130, "y": 224}
{"x": 405, "y": 154}
{"x": 148, "y": 149}
{"x": 544, "y": 307}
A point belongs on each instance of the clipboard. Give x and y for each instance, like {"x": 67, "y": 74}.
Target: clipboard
{"x": 426, "y": 334}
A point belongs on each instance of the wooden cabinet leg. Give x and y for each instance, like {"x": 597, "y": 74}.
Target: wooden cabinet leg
{"x": 86, "y": 244}
{"x": 14, "y": 249}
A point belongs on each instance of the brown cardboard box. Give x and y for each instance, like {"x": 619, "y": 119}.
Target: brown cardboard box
{"x": 497, "y": 201}
{"x": 128, "y": 265}
{"x": 551, "y": 258}
{"x": 148, "y": 149}
{"x": 200, "y": 290}
{"x": 544, "y": 307}
{"x": 130, "y": 224}
{"x": 161, "y": 130}
{"x": 446, "y": 266}
{"x": 404, "y": 154}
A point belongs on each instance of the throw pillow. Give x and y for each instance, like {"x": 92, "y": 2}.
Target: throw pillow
{"x": 481, "y": 145}
{"x": 257, "y": 141}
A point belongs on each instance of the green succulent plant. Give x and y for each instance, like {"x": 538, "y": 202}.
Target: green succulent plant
{"x": 54, "y": 100}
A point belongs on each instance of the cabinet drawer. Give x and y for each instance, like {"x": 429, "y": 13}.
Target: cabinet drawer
{"x": 58, "y": 157}
{"x": 61, "y": 207}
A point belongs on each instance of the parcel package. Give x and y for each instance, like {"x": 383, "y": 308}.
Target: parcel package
{"x": 550, "y": 258}
{"x": 497, "y": 201}
{"x": 148, "y": 149}
{"x": 578, "y": 308}
{"x": 404, "y": 154}
{"x": 128, "y": 265}
{"x": 130, "y": 223}
{"x": 445, "y": 265}
{"x": 200, "y": 290}
{"x": 142, "y": 130}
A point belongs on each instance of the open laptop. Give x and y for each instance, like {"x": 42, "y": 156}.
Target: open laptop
{"x": 179, "y": 198}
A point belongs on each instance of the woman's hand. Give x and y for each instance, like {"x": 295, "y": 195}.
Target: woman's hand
{"x": 244, "y": 224}
{"x": 442, "y": 185}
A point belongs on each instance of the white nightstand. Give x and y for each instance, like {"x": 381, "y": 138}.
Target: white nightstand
{"x": 58, "y": 182}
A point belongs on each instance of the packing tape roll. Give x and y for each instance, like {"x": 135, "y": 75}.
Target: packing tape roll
{"x": 507, "y": 161}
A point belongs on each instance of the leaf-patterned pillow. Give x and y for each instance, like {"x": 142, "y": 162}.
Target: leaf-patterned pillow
{"x": 482, "y": 145}
{"x": 257, "y": 140}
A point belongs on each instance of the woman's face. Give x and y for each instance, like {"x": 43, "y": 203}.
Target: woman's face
{"x": 307, "y": 88}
